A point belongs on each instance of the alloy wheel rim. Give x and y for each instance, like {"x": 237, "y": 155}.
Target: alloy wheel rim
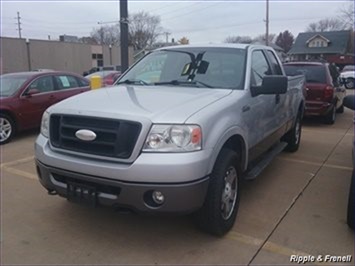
{"x": 5, "y": 129}
{"x": 229, "y": 193}
{"x": 298, "y": 131}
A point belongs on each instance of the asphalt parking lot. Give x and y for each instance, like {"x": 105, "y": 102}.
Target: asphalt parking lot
{"x": 297, "y": 206}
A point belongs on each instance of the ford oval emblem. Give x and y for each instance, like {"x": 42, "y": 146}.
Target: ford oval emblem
{"x": 85, "y": 134}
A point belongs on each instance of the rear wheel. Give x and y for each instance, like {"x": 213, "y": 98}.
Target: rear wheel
{"x": 218, "y": 214}
{"x": 293, "y": 137}
{"x": 340, "y": 110}
{"x": 7, "y": 129}
{"x": 330, "y": 117}
{"x": 349, "y": 83}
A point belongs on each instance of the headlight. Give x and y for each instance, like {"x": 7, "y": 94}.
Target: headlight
{"x": 45, "y": 124}
{"x": 173, "y": 138}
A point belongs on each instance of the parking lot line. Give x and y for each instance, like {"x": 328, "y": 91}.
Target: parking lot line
{"x": 19, "y": 172}
{"x": 269, "y": 246}
{"x": 23, "y": 160}
{"x": 316, "y": 164}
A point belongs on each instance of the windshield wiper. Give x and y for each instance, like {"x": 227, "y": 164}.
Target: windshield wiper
{"x": 178, "y": 82}
{"x": 132, "y": 81}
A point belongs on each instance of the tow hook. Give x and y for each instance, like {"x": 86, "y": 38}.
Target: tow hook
{"x": 52, "y": 192}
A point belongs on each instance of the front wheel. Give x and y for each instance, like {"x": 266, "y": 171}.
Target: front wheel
{"x": 218, "y": 214}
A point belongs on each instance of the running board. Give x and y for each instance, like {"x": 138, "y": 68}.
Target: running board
{"x": 265, "y": 161}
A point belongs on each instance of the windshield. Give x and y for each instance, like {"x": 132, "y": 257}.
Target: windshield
{"x": 202, "y": 67}
{"x": 9, "y": 85}
{"x": 313, "y": 73}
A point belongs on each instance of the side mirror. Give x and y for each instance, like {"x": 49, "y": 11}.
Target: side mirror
{"x": 349, "y": 102}
{"x": 31, "y": 92}
{"x": 271, "y": 85}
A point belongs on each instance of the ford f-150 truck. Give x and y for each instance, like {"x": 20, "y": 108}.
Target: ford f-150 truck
{"x": 176, "y": 133}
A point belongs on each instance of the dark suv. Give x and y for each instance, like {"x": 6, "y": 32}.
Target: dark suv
{"x": 324, "y": 95}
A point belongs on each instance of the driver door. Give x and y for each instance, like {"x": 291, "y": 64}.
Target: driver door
{"x": 32, "y": 106}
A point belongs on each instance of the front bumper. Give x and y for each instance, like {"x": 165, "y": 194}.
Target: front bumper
{"x": 182, "y": 178}
{"x": 179, "y": 198}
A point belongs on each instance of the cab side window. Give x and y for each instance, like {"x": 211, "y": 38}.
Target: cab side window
{"x": 43, "y": 84}
{"x": 66, "y": 82}
{"x": 259, "y": 68}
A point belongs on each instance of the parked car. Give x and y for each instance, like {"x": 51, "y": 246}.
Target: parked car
{"x": 324, "y": 95}
{"x": 349, "y": 102}
{"x": 108, "y": 77}
{"x": 102, "y": 68}
{"x": 176, "y": 135}
{"x": 348, "y": 68}
{"x": 25, "y": 96}
{"x": 348, "y": 76}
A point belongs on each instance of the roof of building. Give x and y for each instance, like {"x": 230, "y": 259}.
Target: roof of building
{"x": 338, "y": 43}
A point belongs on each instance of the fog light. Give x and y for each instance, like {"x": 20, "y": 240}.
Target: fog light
{"x": 158, "y": 197}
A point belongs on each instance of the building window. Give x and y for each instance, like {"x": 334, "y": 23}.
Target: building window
{"x": 99, "y": 59}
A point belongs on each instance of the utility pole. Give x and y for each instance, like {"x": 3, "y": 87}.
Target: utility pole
{"x": 167, "y": 36}
{"x": 124, "y": 34}
{"x": 19, "y": 24}
{"x": 267, "y": 24}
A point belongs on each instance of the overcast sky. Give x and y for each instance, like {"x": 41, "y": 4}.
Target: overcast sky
{"x": 200, "y": 21}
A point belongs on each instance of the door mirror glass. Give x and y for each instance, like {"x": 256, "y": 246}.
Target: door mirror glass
{"x": 271, "y": 85}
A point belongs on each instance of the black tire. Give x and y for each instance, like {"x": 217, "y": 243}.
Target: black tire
{"x": 340, "y": 110}
{"x": 293, "y": 137}
{"x": 351, "y": 203}
{"x": 7, "y": 128}
{"x": 330, "y": 117}
{"x": 214, "y": 216}
{"x": 349, "y": 83}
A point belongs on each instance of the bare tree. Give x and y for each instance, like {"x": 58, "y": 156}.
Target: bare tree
{"x": 262, "y": 38}
{"x": 327, "y": 24}
{"x": 107, "y": 34}
{"x": 144, "y": 29}
{"x": 88, "y": 40}
{"x": 347, "y": 15}
{"x": 285, "y": 40}
{"x": 238, "y": 39}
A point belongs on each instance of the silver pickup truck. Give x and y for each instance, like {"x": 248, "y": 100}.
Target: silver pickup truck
{"x": 176, "y": 134}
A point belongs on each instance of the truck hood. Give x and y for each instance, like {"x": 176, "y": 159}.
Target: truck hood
{"x": 159, "y": 104}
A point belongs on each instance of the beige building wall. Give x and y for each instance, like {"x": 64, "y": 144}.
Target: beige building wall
{"x": 13, "y": 54}
{"x": 63, "y": 56}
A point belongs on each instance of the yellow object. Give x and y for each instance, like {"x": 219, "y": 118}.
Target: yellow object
{"x": 95, "y": 82}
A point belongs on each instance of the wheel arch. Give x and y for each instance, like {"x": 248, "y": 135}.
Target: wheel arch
{"x": 12, "y": 116}
{"x": 235, "y": 141}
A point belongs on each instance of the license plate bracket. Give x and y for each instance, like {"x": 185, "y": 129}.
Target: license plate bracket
{"x": 82, "y": 194}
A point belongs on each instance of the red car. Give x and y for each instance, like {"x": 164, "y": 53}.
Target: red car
{"x": 324, "y": 96}
{"x": 25, "y": 96}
